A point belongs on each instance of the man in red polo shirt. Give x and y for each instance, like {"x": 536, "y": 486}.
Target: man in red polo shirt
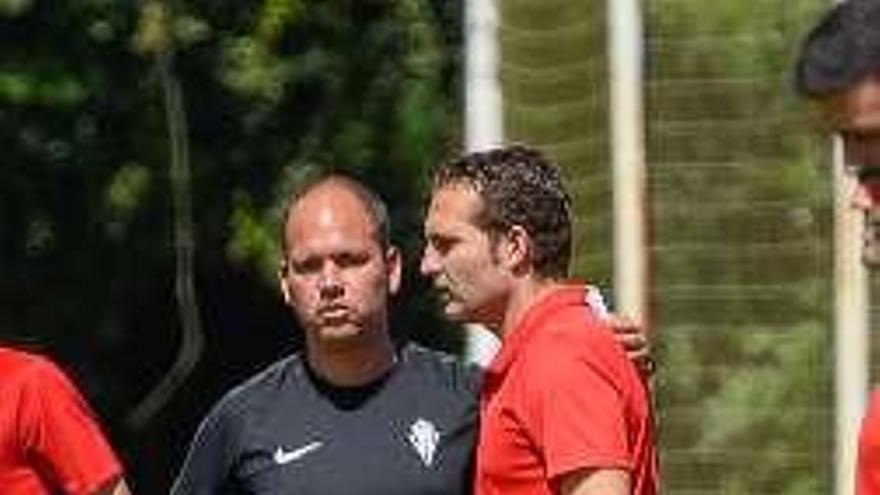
{"x": 50, "y": 441}
{"x": 839, "y": 69}
{"x": 562, "y": 410}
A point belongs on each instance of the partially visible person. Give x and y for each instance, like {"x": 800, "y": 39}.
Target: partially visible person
{"x": 839, "y": 68}
{"x": 562, "y": 409}
{"x": 867, "y": 471}
{"x": 50, "y": 441}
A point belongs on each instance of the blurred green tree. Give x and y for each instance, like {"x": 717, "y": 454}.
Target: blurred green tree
{"x": 98, "y": 102}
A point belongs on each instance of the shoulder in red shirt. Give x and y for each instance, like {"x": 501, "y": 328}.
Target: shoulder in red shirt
{"x": 868, "y": 464}
{"x": 49, "y": 438}
{"x": 562, "y": 396}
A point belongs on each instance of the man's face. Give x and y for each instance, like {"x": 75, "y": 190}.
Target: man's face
{"x": 335, "y": 274}
{"x": 855, "y": 115}
{"x": 461, "y": 258}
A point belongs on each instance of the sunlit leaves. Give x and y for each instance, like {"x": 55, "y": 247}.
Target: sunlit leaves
{"x": 274, "y": 16}
{"x": 251, "y": 69}
{"x": 253, "y": 238}
{"x": 41, "y": 86}
{"x": 126, "y": 193}
{"x": 152, "y": 35}
{"x": 159, "y": 28}
{"x": 13, "y": 8}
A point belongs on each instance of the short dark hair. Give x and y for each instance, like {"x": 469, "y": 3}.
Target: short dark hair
{"x": 519, "y": 186}
{"x": 373, "y": 204}
{"x": 842, "y": 48}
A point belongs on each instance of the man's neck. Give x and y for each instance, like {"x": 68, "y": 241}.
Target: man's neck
{"x": 524, "y": 296}
{"x": 351, "y": 364}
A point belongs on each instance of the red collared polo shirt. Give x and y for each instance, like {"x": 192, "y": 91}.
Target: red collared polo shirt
{"x": 562, "y": 396}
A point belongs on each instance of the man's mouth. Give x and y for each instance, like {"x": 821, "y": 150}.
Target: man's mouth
{"x": 871, "y": 241}
{"x": 334, "y": 314}
{"x": 444, "y": 294}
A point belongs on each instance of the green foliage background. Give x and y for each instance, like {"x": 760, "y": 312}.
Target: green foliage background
{"x": 274, "y": 90}
{"x": 271, "y": 91}
{"x": 740, "y": 222}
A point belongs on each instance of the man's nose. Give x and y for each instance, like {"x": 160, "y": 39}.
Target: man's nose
{"x": 330, "y": 282}
{"x": 862, "y": 199}
{"x": 428, "y": 265}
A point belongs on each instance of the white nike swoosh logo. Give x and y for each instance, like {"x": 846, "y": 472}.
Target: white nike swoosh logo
{"x": 283, "y": 457}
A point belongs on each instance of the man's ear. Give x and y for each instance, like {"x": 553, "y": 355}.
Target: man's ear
{"x": 832, "y": 110}
{"x": 515, "y": 249}
{"x": 283, "y": 268}
{"x": 394, "y": 263}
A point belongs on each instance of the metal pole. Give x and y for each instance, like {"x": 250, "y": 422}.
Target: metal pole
{"x": 628, "y": 159}
{"x": 483, "y": 122}
{"x": 850, "y": 323}
{"x": 483, "y": 111}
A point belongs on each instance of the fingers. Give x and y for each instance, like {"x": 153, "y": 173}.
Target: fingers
{"x": 627, "y": 331}
{"x": 623, "y": 323}
{"x": 634, "y": 341}
{"x": 642, "y": 358}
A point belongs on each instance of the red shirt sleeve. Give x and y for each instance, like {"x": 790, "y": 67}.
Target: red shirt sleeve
{"x": 60, "y": 433}
{"x": 868, "y": 467}
{"x": 581, "y": 418}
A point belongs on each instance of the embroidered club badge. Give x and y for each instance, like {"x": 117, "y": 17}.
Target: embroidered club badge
{"x": 424, "y": 438}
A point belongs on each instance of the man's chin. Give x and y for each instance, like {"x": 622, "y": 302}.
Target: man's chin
{"x": 871, "y": 257}
{"x": 455, "y": 313}
{"x": 339, "y": 332}
{"x": 871, "y": 241}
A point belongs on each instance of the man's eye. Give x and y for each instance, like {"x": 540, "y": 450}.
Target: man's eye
{"x": 349, "y": 260}
{"x": 868, "y": 174}
{"x": 306, "y": 266}
{"x": 441, "y": 244}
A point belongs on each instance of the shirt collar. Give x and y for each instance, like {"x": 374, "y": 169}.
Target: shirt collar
{"x": 547, "y": 305}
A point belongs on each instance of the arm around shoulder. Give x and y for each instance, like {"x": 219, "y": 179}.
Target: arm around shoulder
{"x": 595, "y": 482}
{"x": 116, "y": 487}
